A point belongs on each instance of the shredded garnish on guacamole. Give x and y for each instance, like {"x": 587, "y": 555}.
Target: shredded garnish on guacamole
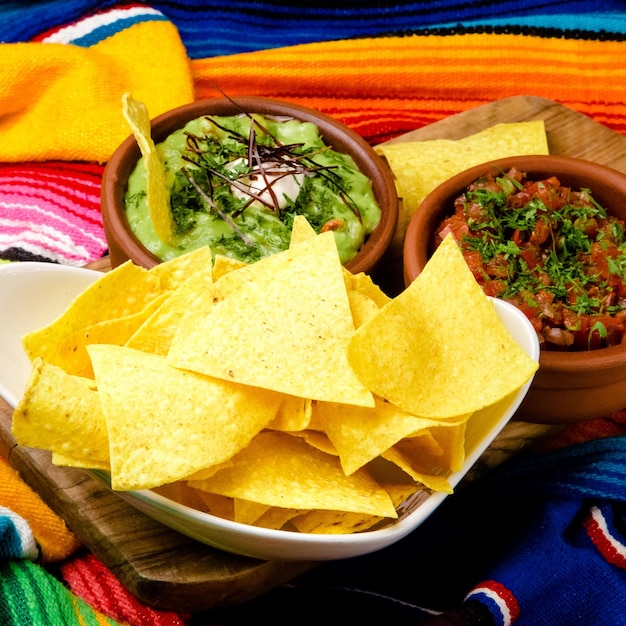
{"x": 236, "y": 183}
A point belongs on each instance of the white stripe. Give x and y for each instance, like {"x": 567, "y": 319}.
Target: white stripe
{"x": 600, "y": 520}
{"x": 54, "y": 255}
{"x": 29, "y": 545}
{"x": 46, "y": 236}
{"x": 89, "y": 24}
{"x": 502, "y": 605}
{"x": 30, "y": 226}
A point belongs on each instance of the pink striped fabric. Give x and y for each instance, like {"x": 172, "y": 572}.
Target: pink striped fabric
{"x": 51, "y": 211}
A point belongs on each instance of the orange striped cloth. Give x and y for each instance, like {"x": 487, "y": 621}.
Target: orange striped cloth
{"x": 385, "y": 86}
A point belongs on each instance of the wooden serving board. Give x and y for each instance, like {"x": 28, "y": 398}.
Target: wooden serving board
{"x": 169, "y": 571}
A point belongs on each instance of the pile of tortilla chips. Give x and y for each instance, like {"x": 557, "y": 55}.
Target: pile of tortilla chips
{"x": 288, "y": 393}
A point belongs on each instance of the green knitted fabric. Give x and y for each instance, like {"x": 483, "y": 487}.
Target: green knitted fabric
{"x": 30, "y": 595}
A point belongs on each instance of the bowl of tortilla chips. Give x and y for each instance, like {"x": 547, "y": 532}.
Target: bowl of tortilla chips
{"x": 233, "y": 173}
{"x": 577, "y": 379}
{"x": 284, "y": 409}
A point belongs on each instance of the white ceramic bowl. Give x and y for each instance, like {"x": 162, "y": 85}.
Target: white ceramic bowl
{"x": 33, "y": 294}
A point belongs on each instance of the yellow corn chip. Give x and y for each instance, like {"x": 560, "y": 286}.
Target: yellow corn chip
{"x": 136, "y": 114}
{"x": 439, "y": 349}
{"x": 125, "y": 290}
{"x": 165, "y": 424}
{"x": 224, "y": 264}
{"x": 334, "y": 522}
{"x": 420, "y": 166}
{"x": 71, "y": 352}
{"x": 301, "y": 230}
{"x": 293, "y": 414}
{"x": 156, "y": 332}
{"x": 176, "y": 271}
{"x": 61, "y": 413}
{"x": 360, "y": 434}
{"x": 280, "y": 470}
{"x": 286, "y": 330}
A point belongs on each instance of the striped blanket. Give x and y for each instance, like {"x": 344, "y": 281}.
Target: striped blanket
{"x": 384, "y": 69}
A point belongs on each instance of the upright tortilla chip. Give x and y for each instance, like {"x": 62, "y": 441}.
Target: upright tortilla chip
{"x": 158, "y": 195}
{"x": 165, "y": 424}
{"x": 439, "y": 349}
{"x": 286, "y": 330}
{"x": 301, "y": 230}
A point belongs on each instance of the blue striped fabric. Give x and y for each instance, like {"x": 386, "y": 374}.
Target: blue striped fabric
{"x": 593, "y": 469}
{"x": 219, "y": 28}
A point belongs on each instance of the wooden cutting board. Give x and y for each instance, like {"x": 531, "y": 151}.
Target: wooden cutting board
{"x": 169, "y": 571}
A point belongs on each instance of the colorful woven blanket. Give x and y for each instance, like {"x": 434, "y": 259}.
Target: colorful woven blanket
{"x": 384, "y": 69}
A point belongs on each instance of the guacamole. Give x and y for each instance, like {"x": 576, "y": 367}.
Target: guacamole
{"x": 236, "y": 183}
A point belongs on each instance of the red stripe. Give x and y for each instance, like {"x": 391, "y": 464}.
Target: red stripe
{"x": 604, "y": 542}
{"x": 90, "y": 580}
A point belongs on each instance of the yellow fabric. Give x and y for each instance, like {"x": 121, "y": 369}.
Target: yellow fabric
{"x": 55, "y": 540}
{"x": 61, "y": 101}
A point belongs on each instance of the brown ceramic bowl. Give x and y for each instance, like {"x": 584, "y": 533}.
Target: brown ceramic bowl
{"x": 568, "y": 387}
{"x": 124, "y": 245}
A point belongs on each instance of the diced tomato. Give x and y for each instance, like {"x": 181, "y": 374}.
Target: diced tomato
{"x": 559, "y": 220}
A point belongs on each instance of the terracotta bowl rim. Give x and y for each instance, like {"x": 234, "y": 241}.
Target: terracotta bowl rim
{"x": 600, "y": 359}
{"x": 335, "y": 133}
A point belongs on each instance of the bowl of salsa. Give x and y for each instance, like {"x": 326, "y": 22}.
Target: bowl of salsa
{"x": 237, "y": 173}
{"x": 548, "y": 235}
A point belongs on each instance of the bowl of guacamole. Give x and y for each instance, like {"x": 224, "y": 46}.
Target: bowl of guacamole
{"x": 238, "y": 172}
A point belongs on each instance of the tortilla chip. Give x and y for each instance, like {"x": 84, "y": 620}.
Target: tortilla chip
{"x": 363, "y": 284}
{"x": 317, "y": 439}
{"x": 301, "y": 230}
{"x": 72, "y": 353}
{"x": 293, "y": 414}
{"x": 277, "y": 469}
{"x": 158, "y": 195}
{"x": 286, "y": 330}
{"x": 420, "y": 166}
{"x": 276, "y": 517}
{"x": 334, "y": 522}
{"x": 165, "y": 424}
{"x": 176, "y": 271}
{"x": 439, "y": 349}
{"x": 155, "y": 334}
{"x": 361, "y": 434}
{"x": 362, "y": 307}
{"x": 61, "y": 413}
{"x": 418, "y": 469}
{"x": 225, "y": 264}
{"x": 124, "y": 291}
{"x": 221, "y": 506}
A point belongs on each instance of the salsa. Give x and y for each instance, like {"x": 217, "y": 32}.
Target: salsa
{"x": 552, "y": 251}
{"x": 236, "y": 183}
